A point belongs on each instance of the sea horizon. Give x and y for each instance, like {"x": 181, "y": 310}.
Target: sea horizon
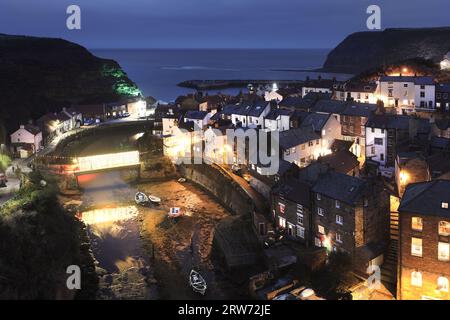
{"x": 157, "y": 71}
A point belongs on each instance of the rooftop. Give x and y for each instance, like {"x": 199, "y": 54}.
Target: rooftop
{"x": 330, "y": 106}
{"x": 340, "y": 187}
{"x": 294, "y": 137}
{"x": 416, "y": 80}
{"x": 427, "y": 198}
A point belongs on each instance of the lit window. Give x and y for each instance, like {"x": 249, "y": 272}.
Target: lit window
{"x": 317, "y": 242}
{"x": 282, "y": 222}
{"x": 443, "y": 251}
{"x": 281, "y": 206}
{"x": 444, "y": 228}
{"x": 319, "y": 197}
{"x": 299, "y": 208}
{"x": 300, "y": 232}
{"x": 416, "y": 247}
{"x": 300, "y": 219}
{"x": 416, "y": 279}
{"x": 320, "y": 211}
{"x": 339, "y": 219}
{"x": 444, "y": 205}
{"x": 416, "y": 223}
{"x": 442, "y": 284}
{"x": 338, "y": 237}
{"x": 321, "y": 229}
{"x": 337, "y": 204}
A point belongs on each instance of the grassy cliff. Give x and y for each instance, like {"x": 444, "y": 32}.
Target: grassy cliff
{"x": 362, "y": 51}
{"x": 38, "y": 75}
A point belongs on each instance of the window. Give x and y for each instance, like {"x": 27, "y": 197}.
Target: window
{"x": 442, "y": 284}
{"x": 372, "y": 150}
{"x": 287, "y": 152}
{"x": 416, "y": 247}
{"x": 310, "y": 143}
{"x": 299, "y": 208}
{"x": 416, "y": 278}
{"x": 405, "y": 85}
{"x": 337, "y": 204}
{"x": 422, "y": 87}
{"x": 317, "y": 141}
{"x": 321, "y": 229}
{"x": 299, "y": 219}
{"x": 444, "y": 228}
{"x": 318, "y": 196}
{"x": 416, "y": 223}
{"x": 317, "y": 242}
{"x": 339, "y": 219}
{"x": 444, "y": 205}
{"x": 303, "y": 146}
{"x": 338, "y": 237}
{"x": 282, "y": 222}
{"x": 422, "y": 94}
{"x": 281, "y": 206}
{"x": 381, "y": 156}
{"x": 320, "y": 212}
{"x": 300, "y": 232}
{"x": 443, "y": 251}
{"x": 379, "y": 141}
{"x": 373, "y": 130}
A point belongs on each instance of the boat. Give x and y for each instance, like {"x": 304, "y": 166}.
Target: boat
{"x": 197, "y": 282}
{"x": 141, "y": 198}
{"x": 154, "y": 199}
{"x": 175, "y": 212}
{"x": 181, "y": 180}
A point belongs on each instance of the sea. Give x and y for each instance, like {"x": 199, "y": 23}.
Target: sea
{"x": 158, "y": 71}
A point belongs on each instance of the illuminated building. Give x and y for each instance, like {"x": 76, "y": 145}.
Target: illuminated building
{"x": 424, "y": 248}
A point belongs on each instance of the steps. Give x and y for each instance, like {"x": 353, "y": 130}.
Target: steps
{"x": 389, "y": 268}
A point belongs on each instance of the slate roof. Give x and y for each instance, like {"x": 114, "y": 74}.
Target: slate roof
{"x": 340, "y": 187}
{"x": 439, "y": 142}
{"x": 250, "y": 109}
{"x": 385, "y": 121}
{"x": 196, "y": 115}
{"x": 316, "y": 120}
{"x": 359, "y": 109}
{"x": 294, "y": 190}
{"x": 426, "y": 198}
{"x": 32, "y": 129}
{"x": 294, "y": 137}
{"x": 297, "y": 103}
{"x": 330, "y": 106}
{"x": 342, "y": 161}
{"x": 416, "y": 80}
{"x": 275, "y": 113}
{"x": 360, "y": 87}
{"x": 443, "y": 88}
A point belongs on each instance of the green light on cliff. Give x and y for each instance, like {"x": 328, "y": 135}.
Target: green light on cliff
{"x": 123, "y": 86}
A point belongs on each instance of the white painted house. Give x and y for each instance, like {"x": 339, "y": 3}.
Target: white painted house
{"x": 199, "y": 118}
{"x": 358, "y": 92}
{"x": 278, "y": 120}
{"x": 250, "y": 115}
{"x": 407, "y": 94}
{"x": 26, "y": 140}
{"x": 445, "y": 63}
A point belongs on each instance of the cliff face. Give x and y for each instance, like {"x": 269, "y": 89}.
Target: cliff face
{"x": 362, "y": 51}
{"x": 38, "y": 75}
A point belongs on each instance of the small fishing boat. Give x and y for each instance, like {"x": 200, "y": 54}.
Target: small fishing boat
{"x": 197, "y": 282}
{"x": 141, "y": 198}
{"x": 181, "y": 180}
{"x": 154, "y": 199}
{"x": 175, "y": 212}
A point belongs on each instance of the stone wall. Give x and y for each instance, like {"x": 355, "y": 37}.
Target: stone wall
{"x": 220, "y": 185}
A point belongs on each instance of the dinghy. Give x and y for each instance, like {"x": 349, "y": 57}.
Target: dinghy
{"x": 141, "y": 198}
{"x": 154, "y": 199}
{"x": 181, "y": 180}
{"x": 175, "y": 213}
{"x": 197, "y": 282}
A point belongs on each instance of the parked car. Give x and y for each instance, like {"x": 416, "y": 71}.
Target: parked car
{"x": 125, "y": 115}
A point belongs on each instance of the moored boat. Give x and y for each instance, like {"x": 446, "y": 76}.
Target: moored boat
{"x": 197, "y": 283}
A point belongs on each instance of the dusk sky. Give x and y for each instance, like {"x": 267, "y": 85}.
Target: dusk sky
{"x": 214, "y": 23}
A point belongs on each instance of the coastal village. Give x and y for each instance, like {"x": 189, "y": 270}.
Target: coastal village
{"x": 363, "y": 177}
